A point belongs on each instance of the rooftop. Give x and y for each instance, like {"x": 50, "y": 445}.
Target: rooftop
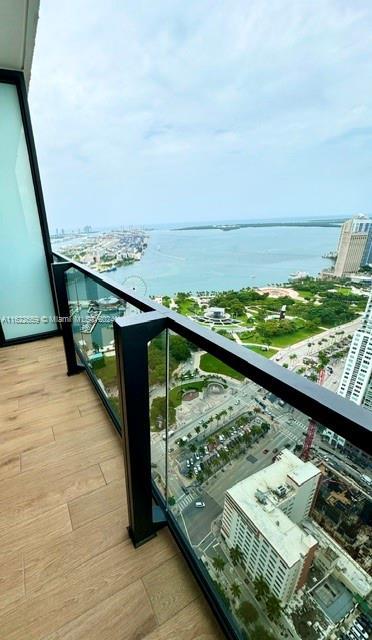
{"x": 334, "y": 599}
{"x": 351, "y": 571}
{"x": 68, "y": 568}
{"x": 260, "y": 497}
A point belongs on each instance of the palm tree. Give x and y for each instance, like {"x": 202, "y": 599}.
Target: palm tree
{"x": 247, "y": 612}
{"x": 273, "y": 607}
{"x": 261, "y": 587}
{"x": 236, "y": 555}
{"x": 218, "y": 563}
{"x": 235, "y": 590}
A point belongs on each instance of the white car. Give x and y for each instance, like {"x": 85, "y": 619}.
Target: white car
{"x": 199, "y": 504}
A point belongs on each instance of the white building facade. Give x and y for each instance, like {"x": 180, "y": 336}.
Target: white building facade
{"x": 352, "y": 246}
{"x": 262, "y": 515}
{"x": 356, "y": 381}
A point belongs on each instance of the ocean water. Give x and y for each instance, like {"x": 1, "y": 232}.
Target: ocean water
{"x": 215, "y": 260}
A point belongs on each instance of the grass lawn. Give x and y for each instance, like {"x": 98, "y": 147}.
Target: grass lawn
{"x": 106, "y": 371}
{"x": 266, "y": 354}
{"x": 344, "y": 291}
{"x": 158, "y": 405}
{"x": 187, "y": 307}
{"x": 176, "y": 393}
{"x": 287, "y": 339}
{"x": 251, "y": 336}
{"x": 213, "y": 365}
{"x": 304, "y": 293}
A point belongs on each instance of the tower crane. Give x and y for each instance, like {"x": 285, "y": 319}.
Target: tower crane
{"x": 312, "y": 427}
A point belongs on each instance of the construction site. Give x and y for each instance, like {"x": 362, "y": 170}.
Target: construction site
{"x": 344, "y": 511}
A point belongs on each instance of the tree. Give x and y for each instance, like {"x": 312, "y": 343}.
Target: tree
{"x": 260, "y": 633}
{"x": 218, "y": 563}
{"x": 197, "y": 429}
{"x": 262, "y": 589}
{"x": 323, "y": 359}
{"x": 273, "y": 607}
{"x": 235, "y": 590}
{"x": 247, "y": 612}
{"x": 179, "y": 349}
{"x": 236, "y": 555}
{"x": 171, "y": 501}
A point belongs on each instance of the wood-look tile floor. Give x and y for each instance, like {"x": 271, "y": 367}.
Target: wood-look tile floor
{"x": 67, "y": 568}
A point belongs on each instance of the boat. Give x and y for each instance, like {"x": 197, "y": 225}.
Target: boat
{"x": 298, "y": 275}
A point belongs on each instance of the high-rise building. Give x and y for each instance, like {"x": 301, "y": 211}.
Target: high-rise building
{"x": 353, "y": 251}
{"x": 356, "y": 381}
{"x": 367, "y": 255}
{"x": 262, "y": 515}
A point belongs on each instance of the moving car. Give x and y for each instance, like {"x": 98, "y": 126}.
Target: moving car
{"x": 199, "y": 504}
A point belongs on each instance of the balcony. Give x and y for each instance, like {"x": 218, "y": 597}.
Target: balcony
{"x": 68, "y": 567}
{"x": 235, "y": 508}
{"x": 82, "y": 555}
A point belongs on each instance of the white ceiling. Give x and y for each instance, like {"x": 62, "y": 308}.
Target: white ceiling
{"x": 18, "y": 21}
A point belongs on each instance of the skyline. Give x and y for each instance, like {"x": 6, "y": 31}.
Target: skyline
{"x": 183, "y": 224}
{"x": 202, "y": 112}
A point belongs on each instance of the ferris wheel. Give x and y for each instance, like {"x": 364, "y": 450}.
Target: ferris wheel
{"x": 136, "y": 285}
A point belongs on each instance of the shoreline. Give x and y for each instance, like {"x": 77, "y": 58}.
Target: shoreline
{"x": 254, "y": 225}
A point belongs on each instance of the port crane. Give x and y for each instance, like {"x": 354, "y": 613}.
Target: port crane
{"x": 312, "y": 427}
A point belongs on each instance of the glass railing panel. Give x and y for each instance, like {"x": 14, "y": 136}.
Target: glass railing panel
{"x": 158, "y": 409}
{"x": 93, "y": 309}
{"x": 276, "y": 513}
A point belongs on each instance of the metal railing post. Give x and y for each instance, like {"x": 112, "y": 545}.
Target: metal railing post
{"x": 59, "y": 270}
{"x": 131, "y": 339}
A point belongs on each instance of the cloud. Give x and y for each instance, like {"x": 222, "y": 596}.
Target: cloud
{"x": 173, "y": 89}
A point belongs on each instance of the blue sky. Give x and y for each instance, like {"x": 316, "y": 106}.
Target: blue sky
{"x": 198, "y": 110}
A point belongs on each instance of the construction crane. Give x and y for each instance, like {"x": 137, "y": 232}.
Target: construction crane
{"x": 312, "y": 427}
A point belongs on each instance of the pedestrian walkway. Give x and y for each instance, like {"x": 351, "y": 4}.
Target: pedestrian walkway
{"x": 185, "y": 500}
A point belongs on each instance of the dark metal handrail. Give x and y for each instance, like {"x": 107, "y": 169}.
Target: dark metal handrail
{"x": 132, "y": 334}
{"x": 144, "y": 304}
{"x": 339, "y": 414}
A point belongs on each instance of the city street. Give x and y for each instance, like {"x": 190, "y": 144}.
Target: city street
{"x": 303, "y": 350}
